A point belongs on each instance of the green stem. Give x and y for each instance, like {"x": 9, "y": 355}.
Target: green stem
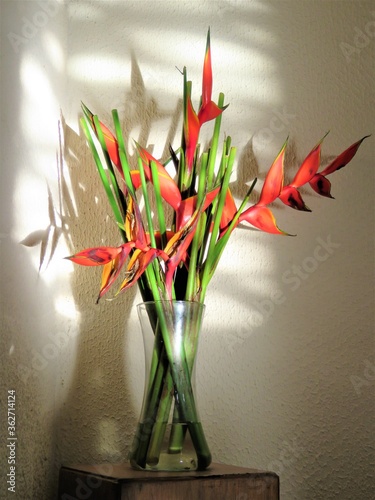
{"x": 216, "y": 221}
{"x": 159, "y": 204}
{"x": 191, "y": 287}
{"x": 214, "y": 144}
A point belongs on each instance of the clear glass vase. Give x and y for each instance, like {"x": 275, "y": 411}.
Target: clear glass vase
{"x": 169, "y": 434}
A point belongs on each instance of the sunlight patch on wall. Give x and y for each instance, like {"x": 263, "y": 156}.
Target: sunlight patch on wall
{"x": 65, "y": 306}
{"x": 107, "y": 437}
{"x": 38, "y": 103}
{"x": 99, "y": 69}
{"x": 53, "y": 50}
{"x": 251, "y": 251}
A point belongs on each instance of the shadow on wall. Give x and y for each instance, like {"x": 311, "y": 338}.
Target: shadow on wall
{"x": 98, "y": 417}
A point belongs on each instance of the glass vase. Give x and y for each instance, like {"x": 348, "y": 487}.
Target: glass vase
{"x": 169, "y": 434}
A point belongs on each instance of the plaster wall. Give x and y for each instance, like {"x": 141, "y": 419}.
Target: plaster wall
{"x": 287, "y": 366}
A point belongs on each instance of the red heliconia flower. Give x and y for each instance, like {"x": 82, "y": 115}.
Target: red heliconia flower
{"x": 112, "y": 258}
{"x": 259, "y": 215}
{"x": 319, "y": 183}
{"x": 168, "y": 188}
{"x": 207, "y": 111}
{"x": 289, "y": 194}
{"x": 183, "y": 249}
{"x": 98, "y": 256}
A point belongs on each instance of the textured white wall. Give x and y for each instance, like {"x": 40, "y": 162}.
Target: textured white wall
{"x": 284, "y": 386}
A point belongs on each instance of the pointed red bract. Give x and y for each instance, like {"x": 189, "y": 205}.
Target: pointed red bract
{"x": 96, "y": 256}
{"x": 274, "y": 180}
{"x": 344, "y": 158}
{"x": 292, "y": 198}
{"x": 168, "y": 188}
{"x": 308, "y": 168}
{"x": 112, "y": 147}
{"x": 208, "y": 112}
{"x": 191, "y": 132}
{"x": 262, "y": 218}
{"x": 207, "y": 74}
{"x": 321, "y": 185}
{"x": 229, "y": 210}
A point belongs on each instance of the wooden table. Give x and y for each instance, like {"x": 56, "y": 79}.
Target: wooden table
{"x": 121, "y": 482}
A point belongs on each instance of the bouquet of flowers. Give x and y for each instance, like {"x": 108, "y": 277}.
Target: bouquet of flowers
{"x": 174, "y": 229}
{"x": 178, "y": 262}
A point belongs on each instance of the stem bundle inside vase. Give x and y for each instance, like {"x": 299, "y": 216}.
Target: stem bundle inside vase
{"x": 169, "y": 419}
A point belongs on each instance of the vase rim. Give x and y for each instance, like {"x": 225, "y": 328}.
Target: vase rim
{"x": 165, "y": 301}
{"x": 171, "y": 301}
